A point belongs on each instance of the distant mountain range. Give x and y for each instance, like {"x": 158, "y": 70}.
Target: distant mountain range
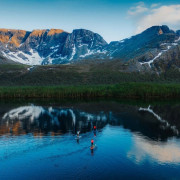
{"x": 156, "y": 48}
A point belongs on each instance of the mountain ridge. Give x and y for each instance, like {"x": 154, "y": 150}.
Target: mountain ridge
{"x": 141, "y": 52}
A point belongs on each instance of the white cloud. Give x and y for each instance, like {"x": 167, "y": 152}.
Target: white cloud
{"x": 138, "y": 9}
{"x": 155, "y": 15}
{"x": 155, "y": 5}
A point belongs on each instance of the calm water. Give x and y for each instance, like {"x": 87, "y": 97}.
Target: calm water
{"x": 133, "y": 140}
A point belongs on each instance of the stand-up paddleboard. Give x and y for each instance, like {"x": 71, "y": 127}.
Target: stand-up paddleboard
{"x": 93, "y": 147}
{"x": 78, "y": 137}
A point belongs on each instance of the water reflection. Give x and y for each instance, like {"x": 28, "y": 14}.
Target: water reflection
{"x": 153, "y": 122}
{"x": 163, "y": 152}
{"x": 135, "y": 141}
{"x": 165, "y": 123}
{"x": 37, "y": 119}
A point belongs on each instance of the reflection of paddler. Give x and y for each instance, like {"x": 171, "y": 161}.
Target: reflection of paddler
{"x": 94, "y": 130}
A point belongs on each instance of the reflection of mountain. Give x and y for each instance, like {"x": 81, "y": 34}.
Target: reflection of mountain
{"x": 28, "y": 119}
{"x": 165, "y": 123}
{"x": 156, "y": 122}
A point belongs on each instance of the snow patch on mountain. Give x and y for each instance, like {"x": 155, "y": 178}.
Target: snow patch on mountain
{"x": 54, "y": 47}
{"x": 92, "y": 52}
{"x": 89, "y": 52}
{"x": 81, "y": 45}
{"x": 33, "y": 58}
{"x": 169, "y": 46}
{"x": 73, "y": 53}
{"x": 151, "y": 61}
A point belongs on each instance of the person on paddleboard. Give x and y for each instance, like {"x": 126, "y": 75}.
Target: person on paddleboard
{"x": 78, "y": 132}
{"x": 92, "y": 142}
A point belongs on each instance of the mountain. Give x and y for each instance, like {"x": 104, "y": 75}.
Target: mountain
{"x": 53, "y": 46}
{"x": 148, "y": 49}
{"x": 156, "y": 49}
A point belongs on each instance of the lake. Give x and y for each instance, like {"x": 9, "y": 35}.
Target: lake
{"x": 133, "y": 140}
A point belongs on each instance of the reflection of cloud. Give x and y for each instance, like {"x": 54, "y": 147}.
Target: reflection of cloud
{"x": 146, "y": 17}
{"x": 163, "y": 152}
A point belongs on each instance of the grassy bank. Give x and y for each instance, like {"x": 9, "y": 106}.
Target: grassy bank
{"x": 123, "y": 90}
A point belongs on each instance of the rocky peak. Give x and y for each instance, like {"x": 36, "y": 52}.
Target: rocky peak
{"x": 87, "y": 37}
{"x": 81, "y": 43}
{"x": 166, "y": 29}
{"x": 160, "y": 31}
{"x": 38, "y": 32}
{"x": 53, "y": 32}
{"x": 18, "y": 38}
{"x": 12, "y": 38}
{"x": 45, "y": 37}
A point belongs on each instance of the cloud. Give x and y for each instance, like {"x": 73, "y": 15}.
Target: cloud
{"x": 138, "y": 9}
{"x": 155, "y": 15}
{"x": 155, "y": 5}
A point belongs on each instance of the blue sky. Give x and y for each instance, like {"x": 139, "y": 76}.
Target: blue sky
{"x": 113, "y": 19}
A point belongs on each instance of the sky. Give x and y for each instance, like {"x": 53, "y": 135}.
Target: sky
{"x": 112, "y": 19}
